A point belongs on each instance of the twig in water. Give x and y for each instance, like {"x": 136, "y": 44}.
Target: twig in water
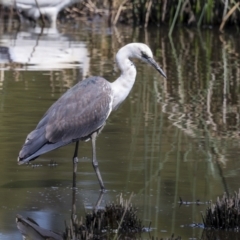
{"x": 201, "y": 16}
{"x": 228, "y": 15}
{"x": 42, "y": 18}
{"x": 148, "y": 13}
{"x": 119, "y": 12}
{"x": 126, "y": 208}
{"x": 175, "y": 18}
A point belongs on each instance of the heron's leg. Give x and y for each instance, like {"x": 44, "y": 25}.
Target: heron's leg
{"x": 95, "y": 162}
{"x": 96, "y": 207}
{"x": 75, "y": 162}
{"x": 73, "y": 205}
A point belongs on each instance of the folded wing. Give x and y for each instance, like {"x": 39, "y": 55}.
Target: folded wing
{"x": 82, "y": 110}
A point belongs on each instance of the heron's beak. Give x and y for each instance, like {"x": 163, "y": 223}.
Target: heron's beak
{"x": 152, "y": 62}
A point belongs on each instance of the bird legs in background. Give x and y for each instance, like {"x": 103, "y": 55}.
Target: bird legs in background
{"x": 75, "y": 162}
{"x": 95, "y": 162}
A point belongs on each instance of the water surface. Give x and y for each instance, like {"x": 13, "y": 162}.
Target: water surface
{"x": 174, "y": 137}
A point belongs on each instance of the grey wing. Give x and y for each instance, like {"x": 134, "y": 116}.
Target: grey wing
{"x": 82, "y": 110}
{"x": 79, "y": 112}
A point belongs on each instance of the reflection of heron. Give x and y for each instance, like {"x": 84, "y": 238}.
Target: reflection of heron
{"x": 81, "y": 113}
{"x": 46, "y": 50}
{"x": 32, "y": 9}
{"x": 31, "y": 230}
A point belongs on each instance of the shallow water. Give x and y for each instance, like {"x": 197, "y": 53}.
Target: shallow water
{"x": 171, "y": 138}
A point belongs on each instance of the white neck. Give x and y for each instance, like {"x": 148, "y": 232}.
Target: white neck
{"x": 123, "y": 85}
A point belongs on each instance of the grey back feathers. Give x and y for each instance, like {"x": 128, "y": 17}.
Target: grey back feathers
{"x": 82, "y": 110}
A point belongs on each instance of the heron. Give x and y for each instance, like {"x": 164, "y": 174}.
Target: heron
{"x": 33, "y": 9}
{"x": 81, "y": 113}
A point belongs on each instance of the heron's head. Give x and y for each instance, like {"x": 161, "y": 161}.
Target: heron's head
{"x": 143, "y": 52}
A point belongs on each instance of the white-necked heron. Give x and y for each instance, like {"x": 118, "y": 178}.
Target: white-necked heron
{"x": 81, "y": 113}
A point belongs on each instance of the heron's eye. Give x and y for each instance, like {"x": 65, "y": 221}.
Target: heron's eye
{"x": 144, "y": 55}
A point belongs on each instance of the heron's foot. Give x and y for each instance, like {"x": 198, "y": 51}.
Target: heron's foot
{"x": 75, "y": 160}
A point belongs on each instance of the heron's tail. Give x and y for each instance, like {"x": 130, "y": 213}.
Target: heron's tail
{"x": 44, "y": 149}
{"x": 35, "y": 145}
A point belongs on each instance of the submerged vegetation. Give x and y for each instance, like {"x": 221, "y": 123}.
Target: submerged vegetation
{"x": 115, "y": 219}
{"x": 224, "y": 214}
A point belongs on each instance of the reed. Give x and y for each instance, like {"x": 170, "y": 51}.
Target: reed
{"x": 224, "y": 214}
{"x": 178, "y": 12}
{"x": 156, "y": 12}
{"x": 114, "y": 221}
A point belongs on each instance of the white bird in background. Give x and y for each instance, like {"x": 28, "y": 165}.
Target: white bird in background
{"x": 32, "y": 9}
{"x": 81, "y": 113}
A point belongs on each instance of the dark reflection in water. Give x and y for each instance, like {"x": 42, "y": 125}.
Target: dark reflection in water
{"x": 170, "y": 139}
